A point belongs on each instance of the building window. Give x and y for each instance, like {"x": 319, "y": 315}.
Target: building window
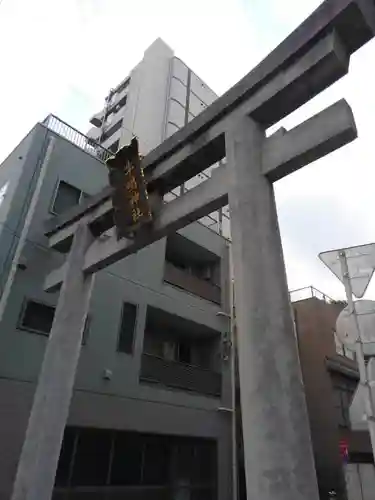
{"x": 92, "y": 458}
{"x": 193, "y": 268}
{"x": 102, "y": 458}
{"x": 111, "y": 131}
{"x": 123, "y": 85}
{"x": 127, "y": 460}
{"x": 171, "y": 350}
{"x": 86, "y": 330}
{"x": 343, "y": 389}
{"x": 66, "y": 197}
{"x": 37, "y": 317}
{"x": 127, "y": 328}
{"x": 114, "y": 147}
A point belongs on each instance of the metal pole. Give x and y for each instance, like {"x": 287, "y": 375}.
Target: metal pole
{"x": 233, "y": 377}
{"x": 363, "y": 375}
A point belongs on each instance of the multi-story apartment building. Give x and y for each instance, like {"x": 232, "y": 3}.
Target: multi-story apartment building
{"x": 159, "y": 96}
{"x": 151, "y": 414}
{"x": 330, "y": 376}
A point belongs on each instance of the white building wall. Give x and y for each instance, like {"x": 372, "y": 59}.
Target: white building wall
{"x": 148, "y": 91}
{"x": 163, "y": 95}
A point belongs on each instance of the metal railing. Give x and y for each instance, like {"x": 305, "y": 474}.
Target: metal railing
{"x": 75, "y": 137}
{"x": 218, "y": 221}
{"x": 180, "y": 375}
{"x": 309, "y": 292}
{"x": 191, "y": 283}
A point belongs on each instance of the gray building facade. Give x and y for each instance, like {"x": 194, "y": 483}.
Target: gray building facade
{"x": 151, "y": 411}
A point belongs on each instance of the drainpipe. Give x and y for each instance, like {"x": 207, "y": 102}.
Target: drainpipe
{"x": 232, "y": 326}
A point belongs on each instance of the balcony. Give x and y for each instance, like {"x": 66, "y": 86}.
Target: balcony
{"x": 180, "y": 376}
{"x": 191, "y": 283}
{"x": 97, "y": 119}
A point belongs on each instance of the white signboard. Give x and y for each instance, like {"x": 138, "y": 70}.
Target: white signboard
{"x": 361, "y": 265}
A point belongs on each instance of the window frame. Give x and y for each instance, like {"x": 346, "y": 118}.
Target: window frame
{"x": 22, "y": 327}
{"x": 117, "y": 144}
{"x": 55, "y": 193}
{"x": 131, "y": 352}
{"x": 111, "y": 130}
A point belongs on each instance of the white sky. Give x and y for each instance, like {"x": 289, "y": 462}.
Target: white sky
{"x": 62, "y": 56}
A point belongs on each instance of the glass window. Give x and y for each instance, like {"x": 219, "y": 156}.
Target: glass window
{"x": 92, "y": 458}
{"x": 86, "y": 330}
{"x": 114, "y": 147}
{"x": 127, "y": 459}
{"x": 102, "y": 457}
{"x": 127, "y": 327}
{"x": 184, "y": 352}
{"x": 111, "y": 130}
{"x": 37, "y": 317}
{"x": 155, "y": 461}
{"x": 67, "y": 196}
{"x": 66, "y": 456}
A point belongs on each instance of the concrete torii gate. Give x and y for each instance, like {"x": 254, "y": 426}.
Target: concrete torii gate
{"x": 278, "y": 455}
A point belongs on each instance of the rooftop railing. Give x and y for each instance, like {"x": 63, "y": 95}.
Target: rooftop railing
{"x": 75, "y": 137}
{"x": 309, "y": 292}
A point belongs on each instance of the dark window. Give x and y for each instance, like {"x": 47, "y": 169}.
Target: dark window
{"x": 114, "y": 147}
{"x": 86, "y": 330}
{"x": 92, "y": 458}
{"x": 123, "y": 85}
{"x": 127, "y": 459}
{"x": 116, "y": 106}
{"x": 127, "y": 327}
{"x": 155, "y": 461}
{"x": 204, "y": 471}
{"x": 67, "y": 196}
{"x": 37, "y": 317}
{"x": 66, "y": 457}
{"x": 183, "y": 462}
{"x": 184, "y": 352}
{"x": 111, "y": 130}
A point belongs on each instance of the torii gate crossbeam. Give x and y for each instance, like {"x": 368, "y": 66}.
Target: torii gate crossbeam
{"x": 278, "y": 455}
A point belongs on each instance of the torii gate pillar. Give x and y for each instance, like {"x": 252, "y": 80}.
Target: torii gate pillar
{"x": 278, "y": 451}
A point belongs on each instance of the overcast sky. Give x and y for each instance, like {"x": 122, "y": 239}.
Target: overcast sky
{"x": 62, "y": 56}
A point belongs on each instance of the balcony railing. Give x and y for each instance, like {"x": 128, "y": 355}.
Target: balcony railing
{"x": 309, "y": 292}
{"x": 180, "y": 375}
{"x": 218, "y": 221}
{"x": 193, "y": 284}
{"x": 75, "y": 137}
